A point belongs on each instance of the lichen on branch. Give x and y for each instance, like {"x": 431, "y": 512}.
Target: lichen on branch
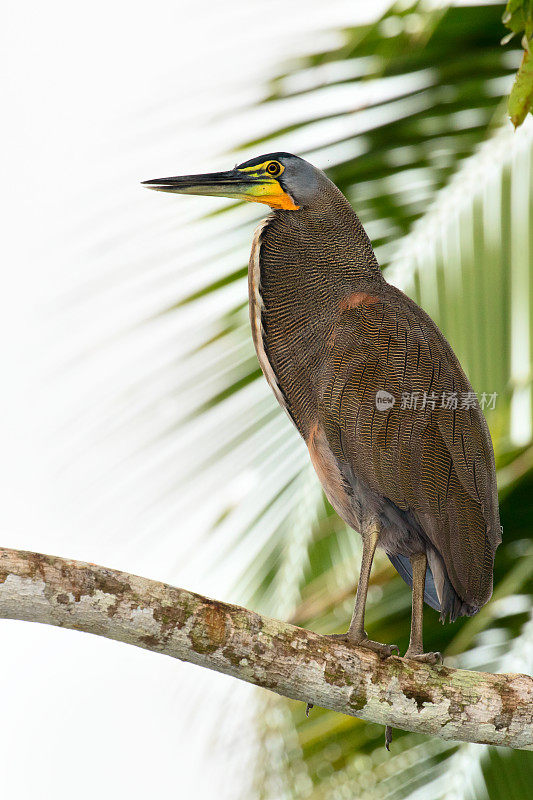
{"x": 449, "y": 703}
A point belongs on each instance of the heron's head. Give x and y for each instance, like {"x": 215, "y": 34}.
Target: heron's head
{"x": 281, "y": 180}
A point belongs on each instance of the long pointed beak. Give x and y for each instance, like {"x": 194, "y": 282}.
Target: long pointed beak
{"x": 255, "y": 187}
{"x": 232, "y": 183}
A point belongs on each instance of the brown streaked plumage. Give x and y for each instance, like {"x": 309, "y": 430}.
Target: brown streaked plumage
{"x": 330, "y": 333}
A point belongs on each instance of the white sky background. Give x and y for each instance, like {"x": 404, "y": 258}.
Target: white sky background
{"x": 96, "y": 98}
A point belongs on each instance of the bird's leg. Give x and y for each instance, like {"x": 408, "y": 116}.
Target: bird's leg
{"x": 356, "y": 632}
{"x": 416, "y": 648}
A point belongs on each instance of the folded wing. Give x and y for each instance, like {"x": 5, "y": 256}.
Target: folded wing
{"x": 431, "y": 452}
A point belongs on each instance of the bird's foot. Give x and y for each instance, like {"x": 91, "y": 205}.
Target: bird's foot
{"x": 425, "y": 658}
{"x": 383, "y": 650}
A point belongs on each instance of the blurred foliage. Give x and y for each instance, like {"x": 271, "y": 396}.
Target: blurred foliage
{"x": 518, "y": 18}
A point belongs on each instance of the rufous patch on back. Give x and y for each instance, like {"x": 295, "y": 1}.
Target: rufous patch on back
{"x": 357, "y": 299}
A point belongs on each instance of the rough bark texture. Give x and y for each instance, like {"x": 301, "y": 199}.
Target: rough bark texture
{"x": 449, "y": 703}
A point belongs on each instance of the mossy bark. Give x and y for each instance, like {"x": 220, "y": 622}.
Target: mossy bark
{"x": 439, "y": 701}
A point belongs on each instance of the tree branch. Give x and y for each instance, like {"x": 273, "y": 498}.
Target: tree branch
{"x": 444, "y": 702}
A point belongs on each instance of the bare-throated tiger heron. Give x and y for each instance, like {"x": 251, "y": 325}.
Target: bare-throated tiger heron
{"x": 345, "y": 353}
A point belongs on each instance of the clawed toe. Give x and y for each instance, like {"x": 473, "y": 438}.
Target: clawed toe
{"x": 383, "y": 650}
{"x": 425, "y": 658}
{"x": 341, "y": 637}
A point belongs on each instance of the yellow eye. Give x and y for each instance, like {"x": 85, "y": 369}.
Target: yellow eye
{"x": 273, "y": 168}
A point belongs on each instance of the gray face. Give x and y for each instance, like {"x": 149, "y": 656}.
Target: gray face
{"x": 300, "y": 178}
